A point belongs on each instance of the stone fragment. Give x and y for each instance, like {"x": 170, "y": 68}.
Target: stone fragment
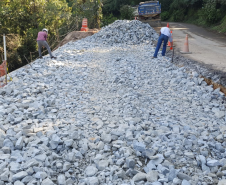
{"x": 139, "y": 177}
{"x": 40, "y": 175}
{"x": 185, "y": 182}
{"x": 19, "y": 143}
{"x": 47, "y": 182}
{"x": 121, "y": 174}
{"x": 91, "y": 171}
{"x": 18, "y": 183}
{"x": 61, "y": 179}
{"x": 106, "y": 138}
{"x": 5, "y": 176}
{"x": 130, "y": 163}
{"x": 19, "y": 176}
{"x": 183, "y": 176}
{"x": 139, "y": 146}
{"x": 213, "y": 163}
{"x": 222, "y": 182}
{"x": 93, "y": 181}
{"x": 152, "y": 176}
{"x": 101, "y": 165}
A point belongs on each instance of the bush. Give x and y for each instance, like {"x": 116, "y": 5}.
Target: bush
{"x": 178, "y": 15}
{"x": 127, "y": 12}
{"x": 165, "y": 16}
{"x": 108, "y": 19}
{"x": 210, "y": 13}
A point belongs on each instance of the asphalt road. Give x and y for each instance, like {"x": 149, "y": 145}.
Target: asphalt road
{"x": 206, "y": 47}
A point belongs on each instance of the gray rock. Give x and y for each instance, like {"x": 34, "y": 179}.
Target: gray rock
{"x": 40, "y": 175}
{"x": 152, "y": 176}
{"x": 19, "y": 143}
{"x": 185, "y": 182}
{"x": 139, "y": 146}
{"x": 19, "y": 176}
{"x": 130, "y": 163}
{"x": 47, "y": 182}
{"x": 4, "y": 156}
{"x": 18, "y": 183}
{"x": 121, "y": 174}
{"x": 213, "y": 163}
{"x": 106, "y": 138}
{"x": 91, "y": 171}
{"x": 183, "y": 176}
{"x": 222, "y": 182}
{"x": 139, "y": 177}
{"x": 93, "y": 181}
{"x": 158, "y": 159}
{"x": 172, "y": 175}
{"x": 101, "y": 165}
{"x": 61, "y": 180}
{"x": 66, "y": 166}
{"x": 5, "y": 176}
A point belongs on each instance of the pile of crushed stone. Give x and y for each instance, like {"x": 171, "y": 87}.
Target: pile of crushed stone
{"x": 127, "y": 32}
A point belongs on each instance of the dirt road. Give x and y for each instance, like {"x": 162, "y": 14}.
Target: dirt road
{"x": 206, "y": 47}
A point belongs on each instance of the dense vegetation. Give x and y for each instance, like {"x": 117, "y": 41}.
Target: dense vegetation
{"x": 21, "y": 20}
{"x": 201, "y": 12}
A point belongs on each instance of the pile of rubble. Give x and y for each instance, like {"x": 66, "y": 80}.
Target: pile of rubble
{"x": 108, "y": 115}
{"x": 126, "y": 32}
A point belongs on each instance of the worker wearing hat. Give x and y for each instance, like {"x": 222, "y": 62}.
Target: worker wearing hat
{"x": 164, "y": 36}
{"x": 42, "y": 37}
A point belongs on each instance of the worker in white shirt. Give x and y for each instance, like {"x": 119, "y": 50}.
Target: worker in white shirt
{"x": 165, "y": 35}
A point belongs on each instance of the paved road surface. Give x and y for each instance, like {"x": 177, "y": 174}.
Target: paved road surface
{"x": 206, "y": 47}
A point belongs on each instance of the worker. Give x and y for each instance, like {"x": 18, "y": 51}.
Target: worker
{"x": 42, "y": 37}
{"x": 164, "y": 36}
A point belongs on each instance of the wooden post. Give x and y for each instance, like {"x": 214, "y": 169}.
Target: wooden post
{"x": 31, "y": 56}
{"x": 5, "y": 57}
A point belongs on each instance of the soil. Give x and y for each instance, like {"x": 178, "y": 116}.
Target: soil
{"x": 77, "y": 35}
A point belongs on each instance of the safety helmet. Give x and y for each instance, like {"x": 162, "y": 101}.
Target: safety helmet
{"x": 44, "y": 29}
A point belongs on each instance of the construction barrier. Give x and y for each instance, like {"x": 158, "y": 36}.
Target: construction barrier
{"x": 3, "y": 69}
{"x": 169, "y": 43}
{"x": 85, "y": 25}
{"x": 186, "y": 47}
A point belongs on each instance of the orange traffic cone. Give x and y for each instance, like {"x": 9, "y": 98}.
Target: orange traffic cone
{"x": 167, "y": 25}
{"x": 169, "y": 43}
{"x": 85, "y": 25}
{"x": 186, "y": 47}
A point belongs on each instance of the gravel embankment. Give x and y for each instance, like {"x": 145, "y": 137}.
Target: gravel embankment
{"x": 106, "y": 113}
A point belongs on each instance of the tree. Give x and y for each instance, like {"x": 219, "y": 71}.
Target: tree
{"x": 24, "y": 18}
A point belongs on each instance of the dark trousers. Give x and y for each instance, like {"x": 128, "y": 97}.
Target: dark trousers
{"x": 162, "y": 38}
{"x": 42, "y": 43}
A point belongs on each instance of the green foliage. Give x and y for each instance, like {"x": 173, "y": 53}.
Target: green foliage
{"x": 222, "y": 27}
{"x": 165, "y": 5}
{"x": 211, "y": 13}
{"x": 127, "y": 12}
{"x": 21, "y": 20}
{"x": 108, "y": 19}
{"x": 178, "y": 15}
{"x": 165, "y": 16}
{"x": 202, "y": 12}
